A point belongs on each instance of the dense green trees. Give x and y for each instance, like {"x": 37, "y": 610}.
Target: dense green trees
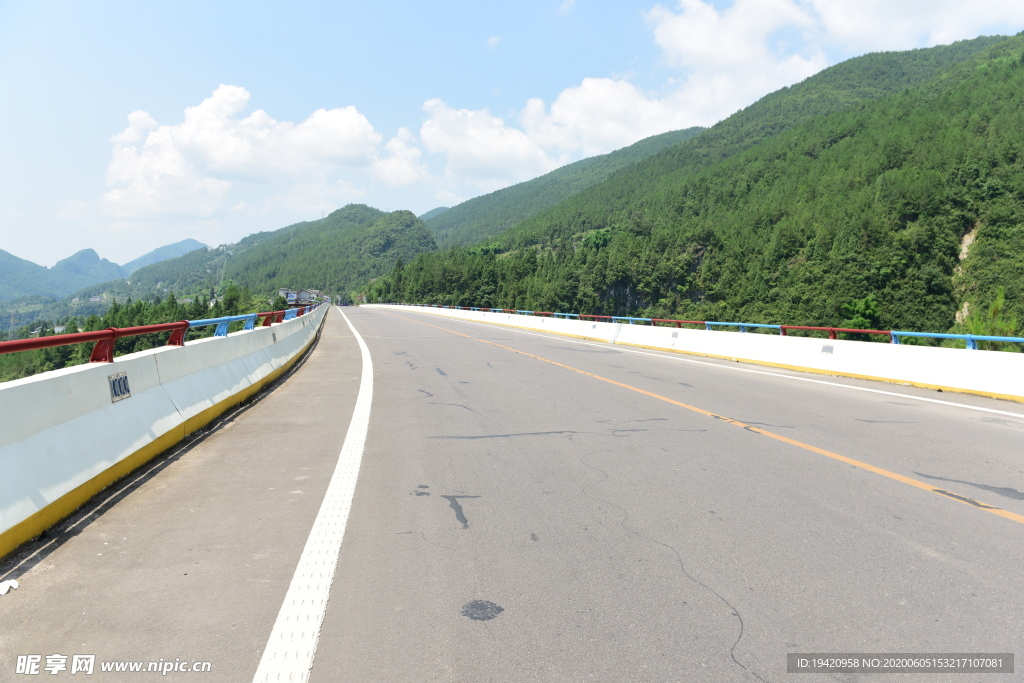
{"x": 802, "y": 204}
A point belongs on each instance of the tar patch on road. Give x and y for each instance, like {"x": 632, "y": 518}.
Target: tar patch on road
{"x": 964, "y": 499}
{"x": 460, "y": 516}
{"x": 481, "y": 610}
{"x": 1004, "y": 491}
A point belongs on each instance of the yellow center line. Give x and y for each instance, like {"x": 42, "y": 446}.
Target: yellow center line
{"x": 750, "y": 428}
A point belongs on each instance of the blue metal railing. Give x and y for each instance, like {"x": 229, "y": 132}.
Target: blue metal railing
{"x": 971, "y": 339}
{"x": 223, "y": 323}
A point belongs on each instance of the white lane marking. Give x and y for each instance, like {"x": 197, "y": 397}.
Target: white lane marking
{"x": 668, "y": 355}
{"x": 292, "y": 644}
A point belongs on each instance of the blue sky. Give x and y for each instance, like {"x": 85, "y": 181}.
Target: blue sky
{"x": 129, "y": 125}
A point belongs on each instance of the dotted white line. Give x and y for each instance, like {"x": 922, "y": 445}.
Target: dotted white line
{"x": 292, "y": 644}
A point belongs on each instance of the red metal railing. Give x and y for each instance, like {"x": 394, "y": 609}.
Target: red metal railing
{"x": 832, "y": 331}
{"x": 103, "y": 351}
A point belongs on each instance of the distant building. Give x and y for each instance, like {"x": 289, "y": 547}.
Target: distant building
{"x": 95, "y": 299}
{"x": 302, "y": 297}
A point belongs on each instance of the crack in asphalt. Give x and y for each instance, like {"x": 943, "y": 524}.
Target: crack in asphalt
{"x": 679, "y": 560}
{"x": 503, "y": 436}
{"x": 457, "y": 405}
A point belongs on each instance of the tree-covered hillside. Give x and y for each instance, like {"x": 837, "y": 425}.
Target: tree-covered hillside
{"x": 795, "y": 210}
{"x": 19, "y": 277}
{"x": 491, "y": 214}
{"x": 338, "y": 254}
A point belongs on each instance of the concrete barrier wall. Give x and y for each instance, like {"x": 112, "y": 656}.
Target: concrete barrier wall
{"x": 988, "y": 373}
{"x": 64, "y": 438}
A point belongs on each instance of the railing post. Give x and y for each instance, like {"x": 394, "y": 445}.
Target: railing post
{"x": 103, "y": 351}
{"x": 177, "y": 337}
{"x": 972, "y": 343}
{"x": 831, "y": 333}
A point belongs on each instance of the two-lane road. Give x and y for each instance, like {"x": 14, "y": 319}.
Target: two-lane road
{"x": 626, "y": 534}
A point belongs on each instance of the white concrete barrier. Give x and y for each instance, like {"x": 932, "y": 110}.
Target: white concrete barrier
{"x": 987, "y": 373}
{"x": 66, "y": 436}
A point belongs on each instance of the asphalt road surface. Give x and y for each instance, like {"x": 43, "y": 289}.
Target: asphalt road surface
{"x": 537, "y": 508}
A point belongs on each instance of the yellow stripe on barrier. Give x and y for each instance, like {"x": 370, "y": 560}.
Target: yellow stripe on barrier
{"x": 43, "y": 519}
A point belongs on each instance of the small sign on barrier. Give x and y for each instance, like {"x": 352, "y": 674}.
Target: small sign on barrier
{"x": 119, "y": 388}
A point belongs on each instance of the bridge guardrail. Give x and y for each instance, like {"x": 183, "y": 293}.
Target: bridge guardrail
{"x": 971, "y": 340}
{"x": 981, "y": 372}
{"x": 103, "y": 351}
{"x": 68, "y": 433}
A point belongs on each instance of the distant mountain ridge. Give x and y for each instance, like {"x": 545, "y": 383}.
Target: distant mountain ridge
{"x": 19, "y": 277}
{"x": 487, "y": 216}
{"x": 337, "y": 254}
{"x": 434, "y": 212}
{"x": 162, "y": 254}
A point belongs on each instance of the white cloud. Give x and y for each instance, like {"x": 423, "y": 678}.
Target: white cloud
{"x": 566, "y": 6}
{"x": 196, "y": 167}
{"x": 404, "y": 165}
{"x": 479, "y": 148}
{"x": 493, "y": 41}
{"x": 598, "y": 116}
{"x": 732, "y": 57}
{"x": 867, "y": 25}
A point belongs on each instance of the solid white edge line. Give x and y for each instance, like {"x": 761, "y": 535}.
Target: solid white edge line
{"x": 669, "y": 355}
{"x": 292, "y": 644}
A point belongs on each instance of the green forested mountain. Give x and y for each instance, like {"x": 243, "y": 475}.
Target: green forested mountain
{"x": 23, "y": 279}
{"x": 337, "y": 254}
{"x": 19, "y": 277}
{"x": 434, "y": 212}
{"x": 865, "y": 183}
{"x": 491, "y": 214}
{"x": 162, "y": 254}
